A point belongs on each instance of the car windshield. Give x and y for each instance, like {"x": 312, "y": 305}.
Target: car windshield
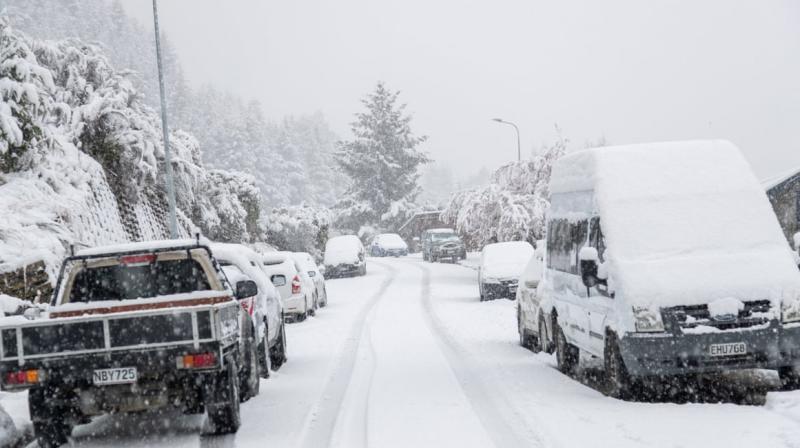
{"x": 125, "y": 282}
{"x": 441, "y": 237}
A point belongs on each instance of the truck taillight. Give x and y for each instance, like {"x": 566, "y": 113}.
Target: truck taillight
{"x": 296, "y": 285}
{"x": 197, "y": 361}
{"x": 23, "y": 378}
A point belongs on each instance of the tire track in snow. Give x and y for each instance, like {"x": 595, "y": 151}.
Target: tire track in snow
{"x": 321, "y": 421}
{"x": 500, "y": 418}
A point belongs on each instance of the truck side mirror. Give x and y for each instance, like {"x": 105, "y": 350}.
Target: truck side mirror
{"x": 245, "y": 289}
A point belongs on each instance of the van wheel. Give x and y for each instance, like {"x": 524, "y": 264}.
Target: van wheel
{"x": 619, "y": 383}
{"x": 567, "y": 355}
{"x": 222, "y": 401}
{"x": 526, "y": 340}
{"x": 544, "y": 342}
{"x": 314, "y": 306}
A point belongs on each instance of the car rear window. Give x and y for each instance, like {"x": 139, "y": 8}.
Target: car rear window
{"x": 124, "y": 282}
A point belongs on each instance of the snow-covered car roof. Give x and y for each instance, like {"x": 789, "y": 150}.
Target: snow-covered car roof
{"x": 140, "y": 246}
{"x": 685, "y": 222}
{"x": 276, "y": 257}
{"x": 305, "y": 260}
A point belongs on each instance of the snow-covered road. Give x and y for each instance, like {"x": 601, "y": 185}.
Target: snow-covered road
{"x": 408, "y": 356}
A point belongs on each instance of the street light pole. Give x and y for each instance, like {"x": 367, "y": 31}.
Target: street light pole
{"x": 500, "y": 120}
{"x": 173, "y": 219}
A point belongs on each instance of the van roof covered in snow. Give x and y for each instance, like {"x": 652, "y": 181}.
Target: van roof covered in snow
{"x": 683, "y": 222}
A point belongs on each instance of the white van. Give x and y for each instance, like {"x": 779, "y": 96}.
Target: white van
{"x": 666, "y": 259}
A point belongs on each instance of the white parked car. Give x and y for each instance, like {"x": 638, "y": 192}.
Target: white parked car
{"x": 345, "y": 257}
{"x": 528, "y": 316}
{"x": 266, "y": 309}
{"x": 297, "y": 291}
{"x": 666, "y": 259}
{"x": 500, "y": 267}
{"x": 388, "y": 245}
{"x": 309, "y": 266}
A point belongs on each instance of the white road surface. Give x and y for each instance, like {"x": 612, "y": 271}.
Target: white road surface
{"x": 408, "y": 357}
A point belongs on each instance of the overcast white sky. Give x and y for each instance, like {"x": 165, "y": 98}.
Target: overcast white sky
{"x": 633, "y": 71}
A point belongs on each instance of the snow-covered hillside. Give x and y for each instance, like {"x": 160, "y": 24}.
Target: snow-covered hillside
{"x": 81, "y": 159}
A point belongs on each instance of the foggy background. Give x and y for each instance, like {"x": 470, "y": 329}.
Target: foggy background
{"x": 630, "y": 71}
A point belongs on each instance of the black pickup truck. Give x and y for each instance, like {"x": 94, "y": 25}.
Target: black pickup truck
{"x": 130, "y": 328}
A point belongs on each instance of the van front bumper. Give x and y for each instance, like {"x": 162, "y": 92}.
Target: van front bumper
{"x": 652, "y": 354}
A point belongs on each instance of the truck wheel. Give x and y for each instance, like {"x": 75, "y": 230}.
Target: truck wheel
{"x": 222, "y": 401}
{"x": 248, "y": 376}
{"x": 278, "y": 352}
{"x": 49, "y": 425}
{"x": 566, "y": 354}
{"x": 790, "y": 378}
{"x": 619, "y": 383}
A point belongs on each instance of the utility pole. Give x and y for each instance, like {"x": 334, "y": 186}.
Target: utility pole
{"x": 173, "y": 218}
{"x": 500, "y": 120}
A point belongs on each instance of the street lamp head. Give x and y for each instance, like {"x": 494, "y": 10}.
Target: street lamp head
{"x": 499, "y": 120}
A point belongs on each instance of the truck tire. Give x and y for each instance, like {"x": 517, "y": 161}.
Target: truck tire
{"x": 222, "y": 401}
{"x": 278, "y": 352}
{"x": 567, "y": 355}
{"x": 618, "y": 381}
{"x": 250, "y": 382}
{"x": 49, "y": 424}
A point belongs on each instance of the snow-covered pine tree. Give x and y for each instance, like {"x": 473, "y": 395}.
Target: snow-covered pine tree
{"x": 382, "y": 162}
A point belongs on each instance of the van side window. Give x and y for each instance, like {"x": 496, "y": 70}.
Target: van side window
{"x": 564, "y": 241}
{"x": 596, "y": 239}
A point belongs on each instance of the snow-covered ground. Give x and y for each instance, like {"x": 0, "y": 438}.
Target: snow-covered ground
{"x": 408, "y": 356}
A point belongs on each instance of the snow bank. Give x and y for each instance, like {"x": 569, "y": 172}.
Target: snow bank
{"x": 684, "y": 222}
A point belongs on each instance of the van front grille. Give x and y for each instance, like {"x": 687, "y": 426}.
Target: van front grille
{"x": 756, "y": 312}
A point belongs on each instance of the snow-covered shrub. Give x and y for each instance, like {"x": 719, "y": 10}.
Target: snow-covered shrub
{"x": 511, "y": 208}
{"x": 298, "y": 229}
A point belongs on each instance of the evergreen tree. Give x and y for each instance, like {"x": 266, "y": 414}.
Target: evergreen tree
{"x": 382, "y": 162}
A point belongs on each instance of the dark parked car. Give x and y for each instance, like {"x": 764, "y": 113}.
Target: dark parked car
{"x": 438, "y": 244}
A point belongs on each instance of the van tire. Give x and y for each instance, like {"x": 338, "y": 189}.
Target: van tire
{"x": 567, "y": 355}
{"x": 526, "y": 339}
{"x": 544, "y": 342}
{"x": 264, "y": 364}
{"x": 619, "y": 383}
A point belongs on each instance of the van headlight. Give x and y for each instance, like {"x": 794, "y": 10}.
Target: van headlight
{"x": 647, "y": 320}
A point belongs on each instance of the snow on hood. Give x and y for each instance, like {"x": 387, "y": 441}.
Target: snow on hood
{"x": 506, "y": 260}
{"x": 685, "y": 223}
{"x": 342, "y": 250}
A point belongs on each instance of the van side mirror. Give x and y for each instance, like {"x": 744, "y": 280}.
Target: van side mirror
{"x": 588, "y": 259}
{"x": 245, "y": 289}
{"x": 278, "y": 280}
